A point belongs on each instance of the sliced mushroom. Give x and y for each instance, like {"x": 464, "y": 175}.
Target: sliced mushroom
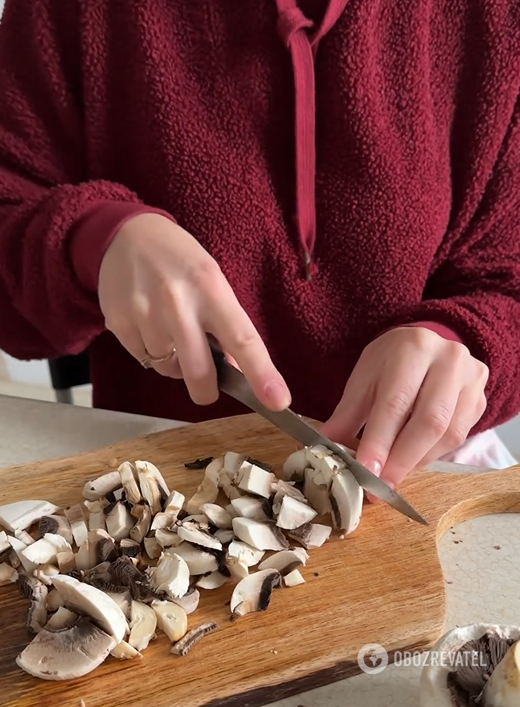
{"x": 224, "y": 536}
{"x": 63, "y": 618}
{"x": 129, "y": 479}
{"x": 282, "y": 488}
{"x": 67, "y": 654}
{"x": 294, "y": 466}
{"x": 19, "y": 547}
{"x": 143, "y": 623}
{"x": 171, "y": 619}
{"x": 253, "y": 479}
{"x": 86, "y": 556}
{"x": 54, "y": 600}
{"x": 154, "y": 471}
{"x": 253, "y": 593}
{"x": 122, "y": 597}
{"x": 24, "y": 536}
{"x": 44, "y": 550}
{"x": 164, "y": 520}
{"x": 259, "y": 535}
{"x": 207, "y": 491}
{"x": 143, "y": 513}
{"x": 293, "y": 514}
{"x": 285, "y": 561}
{"x": 293, "y": 579}
{"x": 124, "y": 651}
{"x": 103, "y": 485}
{"x": 171, "y": 575}
{"x": 249, "y": 555}
{"x": 188, "y": 641}
{"x": 247, "y": 507}
{"x": 150, "y": 488}
{"x": 4, "y": 542}
{"x": 311, "y": 535}
{"x": 86, "y": 599}
{"x": 13, "y": 559}
{"x": 76, "y": 518}
{"x": 325, "y": 462}
{"x": 198, "y": 561}
{"x": 130, "y": 548}
{"x": 95, "y": 506}
{"x": 316, "y": 494}
{"x": 217, "y": 515}
{"x": 58, "y": 525}
{"x": 36, "y": 592}
{"x": 211, "y": 581}
{"x": 96, "y": 521}
{"x": 152, "y": 547}
{"x": 22, "y": 514}
{"x": 66, "y": 561}
{"x": 167, "y": 538}
{"x": 193, "y": 533}
{"x": 119, "y": 522}
{"x": 190, "y": 601}
{"x": 503, "y": 687}
{"x": 45, "y": 573}
{"x": 232, "y": 462}
{"x": 346, "y": 497}
{"x": 226, "y": 484}
{"x": 8, "y": 574}
{"x": 174, "y": 502}
{"x": 106, "y": 550}
{"x": 236, "y": 566}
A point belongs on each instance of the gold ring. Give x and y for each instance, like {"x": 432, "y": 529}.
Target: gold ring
{"x": 150, "y": 361}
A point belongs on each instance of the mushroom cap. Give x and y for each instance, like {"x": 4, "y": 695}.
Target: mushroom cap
{"x": 67, "y": 654}
{"x": 87, "y": 599}
{"x": 22, "y": 514}
{"x": 253, "y": 593}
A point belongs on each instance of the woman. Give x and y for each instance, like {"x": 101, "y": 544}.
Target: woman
{"x": 332, "y": 189}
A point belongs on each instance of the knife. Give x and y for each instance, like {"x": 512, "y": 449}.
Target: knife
{"x": 232, "y": 382}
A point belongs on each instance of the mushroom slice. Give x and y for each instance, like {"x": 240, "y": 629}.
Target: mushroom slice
{"x": 44, "y": 550}
{"x": 150, "y": 488}
{"x": 171, "y": 575}
{"x": 259, "y": 535}
{"x": 8, "y": 574}
{"x": 198, "y": 560}
{"x": 325, "y": 462}
{"x": 247, "y": 507}
{"x": 253, "y": 593}
{"x": 188, "y": 641}
{"x": 316, "y": 494}
{"x": 63, "y": 618}
{"x": 45, "y": 573}
{"x": 96, "y": 506}
{"x": 152, "y": 548}
{"x": 103, "y": 485}
{"x": 13, "y": 559}
{"x": 86, "y": 556}
{"x": 24, "y": 536}
{"x": 293, "y": 514}
{"x": 232, "y": 462}
{"x": 225, "y": 482}
{"x": 174, "y": 502}
{"x": 19, "y": 547}
{"x": 282, "y": 488}
{"x": 216, "y": 515}
{"x": 4, "y": 542}
{"x": 236, "y": 566}
{"x": 164, "y": 520}
{"x": 22, "y": 514}
{"x": 211, "y": 581}
{"x": 76, "y": 518}
{"x": 192, "y": 533}
{"x": 253, "y": 479}
{"x": 58, "y": 525}
{"x": 96, "y": 521}
{"x": 130, "y": 548}
{"x": 311, "y": 535}
{"x": 286, "y": 560}
{"x": 171, "y": 619}
{"x": 249, "y": 555}
{"x": 154, "y": 471}
{"x": 54, "y": 600}
{"x": 207, "y": 491}
{"x": 346, "y": 497}
{"x": 293, "y": 579}
{"x": 190, "y": 601}
{"x": 124, "y": 651}
{"x": 67, "y": 654}
{"x": 119, "y": 522}
{"x": 140, "y": 530}
{"x": 143, "y": 623}
{"x": 167, "y": 538}
{"x": 224, "y": 536}
{"x": 87, "y": 599}
{"x": 66, "y": 561}
{"x": 31, "y": 588}
{"x": 129, "y": 479}
{"x": 294, "y": 466}
{"x": 105, "y": 548}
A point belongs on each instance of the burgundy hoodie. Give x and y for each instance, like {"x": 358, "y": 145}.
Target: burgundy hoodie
{"x": 352, "y": 165}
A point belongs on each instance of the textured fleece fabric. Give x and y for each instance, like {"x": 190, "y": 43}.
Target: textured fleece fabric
{"x": 109, "y": 108}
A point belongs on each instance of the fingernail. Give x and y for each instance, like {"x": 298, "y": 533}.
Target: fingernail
{"x": 277, "y": 395}
{"x": 374, "y": 467}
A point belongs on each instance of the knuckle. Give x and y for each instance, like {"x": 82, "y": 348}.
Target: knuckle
{"x": 482, "y": 373}
{"x": 398, "y": 405}
{"x": 455, "y": 435}
{"x": 245, "y": 339}
{"x": 206, "y": 275}
{"x": 437, "y": 421}
{"x": 481, "y": 406}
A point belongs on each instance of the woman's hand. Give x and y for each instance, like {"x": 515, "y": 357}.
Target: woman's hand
{"x": 418, "y": 396}
{"x": 160, "y": 291}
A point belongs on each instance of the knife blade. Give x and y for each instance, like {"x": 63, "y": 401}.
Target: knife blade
{"x": 232, "y": 382}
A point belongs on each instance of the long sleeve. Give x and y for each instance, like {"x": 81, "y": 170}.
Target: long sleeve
{"x": 45, "y": 199}
{"x": 474, "y": 289}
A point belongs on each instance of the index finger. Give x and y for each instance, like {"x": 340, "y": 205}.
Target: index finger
{"x": 237, "y": 335}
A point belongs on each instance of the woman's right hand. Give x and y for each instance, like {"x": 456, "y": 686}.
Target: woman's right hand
{"x": 160, "y": 290}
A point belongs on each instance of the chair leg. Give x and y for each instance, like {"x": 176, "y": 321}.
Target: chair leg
{"x": 64, "y": 396}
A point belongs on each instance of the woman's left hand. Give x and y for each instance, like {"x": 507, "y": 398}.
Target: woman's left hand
{"x": 418, "y": 396}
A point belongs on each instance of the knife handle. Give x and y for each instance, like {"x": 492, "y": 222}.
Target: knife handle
{"x": 219, "y": 357}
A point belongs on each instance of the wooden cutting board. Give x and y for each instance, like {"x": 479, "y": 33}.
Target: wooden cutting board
{"x": 382, "y": 584}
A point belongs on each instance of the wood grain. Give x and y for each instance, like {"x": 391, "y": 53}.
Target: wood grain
{"x": 382, "y": 584}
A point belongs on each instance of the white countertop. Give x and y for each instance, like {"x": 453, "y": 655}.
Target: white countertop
{"x": 483, "y": 580}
